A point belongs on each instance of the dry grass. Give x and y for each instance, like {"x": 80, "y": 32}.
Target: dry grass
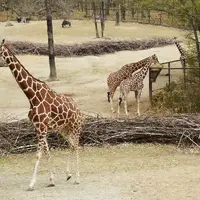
{"x": 82, "y": 31}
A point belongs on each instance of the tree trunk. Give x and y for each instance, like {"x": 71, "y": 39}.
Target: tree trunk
{"x": 123, "y": 11}
{"x": 81, "y": 5}
{"x": 117, "y": 14}
{"x": 108, "y": 8}
{"x": 132, "y": 12}
{"x": 86, "y": 9}
{"x": 53, "y": 74}
{"x": 102, "y": 18}
{"x": 95, "y": 19}
{"x": 196, "y": 40}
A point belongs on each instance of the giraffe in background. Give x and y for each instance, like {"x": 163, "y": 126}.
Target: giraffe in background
{"x": 183, "y": 52}
{"x": 135, "y": 83}
{"x": 115, "y": 78}
{"x": 48, "y": 111}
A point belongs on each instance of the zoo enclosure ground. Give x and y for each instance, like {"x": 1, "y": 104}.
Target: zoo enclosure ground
{"x": 82, "y": 31}
{"x": 128, "y": 172}
{"x": 122, "y": 172}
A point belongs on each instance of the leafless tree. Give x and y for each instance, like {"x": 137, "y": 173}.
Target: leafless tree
{"x": 48, "y": 5}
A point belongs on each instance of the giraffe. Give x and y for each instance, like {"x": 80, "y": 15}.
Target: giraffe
{"x": 135, "y": 83}
{"x": 115, "y": 78}
{"x": 48, "y": 111}
{"x": 182, "y": 51}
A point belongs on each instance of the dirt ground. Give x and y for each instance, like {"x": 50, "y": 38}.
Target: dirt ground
{"x": 124, "y": 172}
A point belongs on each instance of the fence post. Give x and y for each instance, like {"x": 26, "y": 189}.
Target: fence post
{"x": 150, "y": 87}
{"x": 169, "y": 73}
{"x": 184, "y": 72}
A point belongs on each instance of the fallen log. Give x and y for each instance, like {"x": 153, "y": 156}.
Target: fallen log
{"x": 19, "y": 136}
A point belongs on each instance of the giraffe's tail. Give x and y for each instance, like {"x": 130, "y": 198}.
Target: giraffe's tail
{"x": 120, "y": 101}
{"x": 108, "y": 95}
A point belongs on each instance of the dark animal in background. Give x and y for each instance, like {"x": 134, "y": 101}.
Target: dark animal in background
{"x": 19, "y": 19}
{"x": 23, "y": 19}
{"x": 65, "y": 22}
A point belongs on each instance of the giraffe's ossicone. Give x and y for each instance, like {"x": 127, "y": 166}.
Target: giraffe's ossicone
{"x": 48, "y": 111}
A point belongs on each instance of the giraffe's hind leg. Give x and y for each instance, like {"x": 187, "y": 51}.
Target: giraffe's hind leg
{"x": 73, "y": 141}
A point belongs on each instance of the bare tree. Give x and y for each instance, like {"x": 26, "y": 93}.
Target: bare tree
{"x": 108, "y": 7}
{"x": 95, "y": 19}
{"x": 53, "y": 74}
{"x": 102, "y": 18}
{"x": 117, "y": 14}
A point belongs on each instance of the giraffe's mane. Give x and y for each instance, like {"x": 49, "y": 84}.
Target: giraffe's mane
{"x": 140, "y": 61}
{"x": 22, "y": 65}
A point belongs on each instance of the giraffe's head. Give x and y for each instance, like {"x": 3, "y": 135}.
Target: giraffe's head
{"x": 1, "y": 52}
{"x": 1, "y": 46}
{"x": 154, "y": 60}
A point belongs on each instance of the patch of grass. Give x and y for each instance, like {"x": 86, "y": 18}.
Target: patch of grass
{"x": 83, "y": 30}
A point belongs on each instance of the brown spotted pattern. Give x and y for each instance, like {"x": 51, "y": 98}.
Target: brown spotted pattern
{"x": 183, "y": 57}
{"x": 115, "y": 78}
{"x": 48, "y": 110}
{"x": 135, "y": 83}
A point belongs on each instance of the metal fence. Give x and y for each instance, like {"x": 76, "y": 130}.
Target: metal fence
{"x": 171, "y": 71}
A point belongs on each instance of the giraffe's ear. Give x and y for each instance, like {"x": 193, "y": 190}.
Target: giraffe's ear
{"x": 3, "y": 41}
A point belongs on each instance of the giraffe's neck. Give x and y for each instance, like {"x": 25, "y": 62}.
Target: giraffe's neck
{"x": 138, "y": 65}
{"x": 143, "y": 72}
{"x": 25, "y": 80}
{"x": 180, "y": 48}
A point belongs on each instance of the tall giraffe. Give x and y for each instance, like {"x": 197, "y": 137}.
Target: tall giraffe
{"x": 135, "y": 83}
{"x": 115, "y": 78}
{"x": 182, "y": 51}
{"x": 48, "y": 111}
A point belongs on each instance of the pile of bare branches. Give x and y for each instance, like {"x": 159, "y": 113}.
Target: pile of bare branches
{"x": 2, "y": 63}
{"x": 19, "y": 136}
{"x": 89, "y": 48}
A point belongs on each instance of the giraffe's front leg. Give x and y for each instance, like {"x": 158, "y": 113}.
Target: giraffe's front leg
{"x": 111, "y": 105}
{"x": 33, "y": 180}
{"x": 138, "y": 102}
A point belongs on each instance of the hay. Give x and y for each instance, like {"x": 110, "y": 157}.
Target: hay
{"x": 19, "y": 136}
{"x": 88, "y": 48}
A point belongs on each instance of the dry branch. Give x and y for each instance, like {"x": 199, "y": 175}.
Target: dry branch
{"x": 18, "y": 137}
{"x": 89, "y": 48}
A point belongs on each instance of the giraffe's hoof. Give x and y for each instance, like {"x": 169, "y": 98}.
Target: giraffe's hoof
{"x": 68, "y": 177}
{"x": 113, "y": 111}
{"x": 30, "y": 189}
{"x": 76, "y": 182}
{"x": 51, "y": 185}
